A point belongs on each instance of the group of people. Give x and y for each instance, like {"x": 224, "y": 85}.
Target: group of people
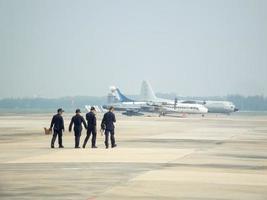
{"x": 107, "y": 126}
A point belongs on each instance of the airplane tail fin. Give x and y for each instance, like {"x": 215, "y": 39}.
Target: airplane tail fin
{"x": 119, "y": 96}
{"x": 122, "y": 97}
{"x": 147, "y": 93}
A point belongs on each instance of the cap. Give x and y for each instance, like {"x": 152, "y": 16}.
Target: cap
{"x": 92, "y": 108}
{"x": 78, "y": 110}
{"x": 60, "y": 110}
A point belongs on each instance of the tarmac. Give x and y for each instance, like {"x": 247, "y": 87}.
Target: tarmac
{"x": 213, "y": 157}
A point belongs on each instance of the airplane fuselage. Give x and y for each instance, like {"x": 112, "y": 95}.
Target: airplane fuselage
{"x": 216, "y": 106}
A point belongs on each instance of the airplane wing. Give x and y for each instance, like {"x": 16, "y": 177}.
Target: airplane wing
{"x": 132, "y": 112}
{"x": 98, "y": 108}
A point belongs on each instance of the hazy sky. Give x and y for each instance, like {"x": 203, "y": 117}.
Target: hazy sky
{"x": 72, "y": 47}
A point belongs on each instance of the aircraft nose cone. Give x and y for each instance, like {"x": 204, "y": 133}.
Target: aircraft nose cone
{"x": 204, "y": 110}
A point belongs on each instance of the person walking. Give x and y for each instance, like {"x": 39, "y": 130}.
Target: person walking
{"x": 91, "y": 127}
{"x": 57, "y": 123}
{"x": 77, "y": 120}
{"x": 108, "y": 124}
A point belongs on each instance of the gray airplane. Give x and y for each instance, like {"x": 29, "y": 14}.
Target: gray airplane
{"x": 227, "y": 107}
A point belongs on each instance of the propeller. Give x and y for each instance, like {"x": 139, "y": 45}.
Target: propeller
{"x": 175, "y": 102}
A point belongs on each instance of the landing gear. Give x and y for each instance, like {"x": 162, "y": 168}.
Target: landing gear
{"x": 162, "y": 114}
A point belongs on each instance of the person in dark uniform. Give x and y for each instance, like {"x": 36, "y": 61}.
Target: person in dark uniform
{"x": 77, "y": 120}
{"x": 91, "y": 127}
{"x": 108, "y": 124}
{"x": 57, "y": 123}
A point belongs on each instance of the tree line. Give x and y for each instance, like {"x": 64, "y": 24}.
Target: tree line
{"x": 244, "y": 103}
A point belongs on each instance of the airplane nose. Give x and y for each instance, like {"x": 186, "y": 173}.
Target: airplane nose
{"x": 204, "y": 110}
{"x": 236, "y": 109}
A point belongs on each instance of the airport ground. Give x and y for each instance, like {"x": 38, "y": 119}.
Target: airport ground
{"x": 215, "y": 157}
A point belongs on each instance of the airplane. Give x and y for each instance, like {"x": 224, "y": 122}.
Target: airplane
{"x": 153, "y": 104}
{"x": 120, "y": 102}
{"x": 227, "y": 107}
{"x": 123, "y": 103}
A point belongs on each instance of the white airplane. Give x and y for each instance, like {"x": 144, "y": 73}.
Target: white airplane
{"x": 169, "y": 106}
{"x": 212, "y": 106}
{"x": 154, "y": 104}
